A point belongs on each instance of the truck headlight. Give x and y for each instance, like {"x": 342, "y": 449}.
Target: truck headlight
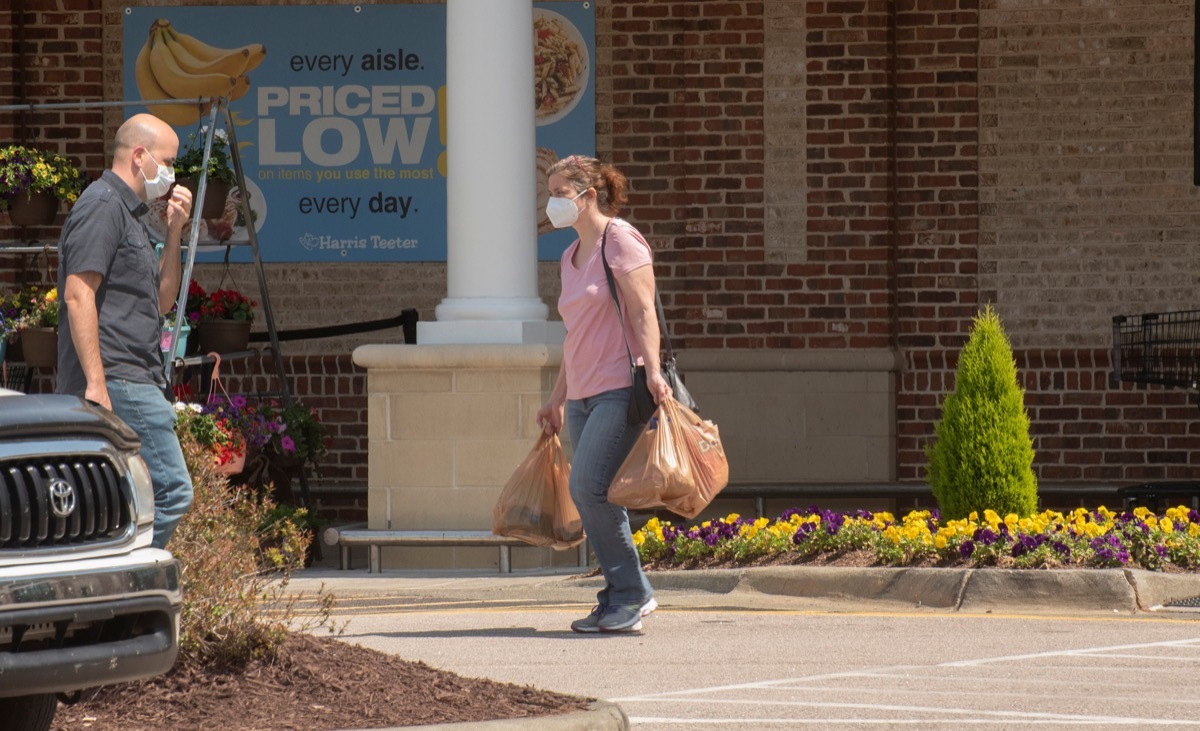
{"x": 143, "y": 489}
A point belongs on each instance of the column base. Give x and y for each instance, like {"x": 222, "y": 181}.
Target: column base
{"x": 464, "y": 332}
{"x": 491, "y": 308}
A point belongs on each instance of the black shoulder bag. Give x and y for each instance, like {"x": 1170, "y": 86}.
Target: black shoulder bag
{"x": 641, "y": 404}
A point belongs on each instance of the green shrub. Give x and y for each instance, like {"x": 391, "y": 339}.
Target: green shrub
{"x": 983, "y": 456}
{"x": 236, "y": 562}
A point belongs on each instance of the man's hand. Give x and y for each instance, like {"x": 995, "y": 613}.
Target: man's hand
{"x": 80, "y": 297}
{"x": 179, "y": 208}
{"x": 98, "y": 395}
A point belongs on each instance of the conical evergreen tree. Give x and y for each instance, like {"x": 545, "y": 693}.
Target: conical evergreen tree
{"x": 983, "y": 456}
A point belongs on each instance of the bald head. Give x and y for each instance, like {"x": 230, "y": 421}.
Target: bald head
{"x": 143, "y": 130}
{"x": 143, "y": 142}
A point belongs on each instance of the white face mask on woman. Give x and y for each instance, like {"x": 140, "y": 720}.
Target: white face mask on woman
{"x": 562, "y": 211}
{"x": 161, "y": 183}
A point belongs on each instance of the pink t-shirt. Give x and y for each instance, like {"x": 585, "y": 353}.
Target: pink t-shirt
{"x": 594, "y": 351}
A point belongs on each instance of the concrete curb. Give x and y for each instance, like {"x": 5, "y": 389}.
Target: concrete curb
{"x": 964, "y": 590}
{"x": 602, "y": 716}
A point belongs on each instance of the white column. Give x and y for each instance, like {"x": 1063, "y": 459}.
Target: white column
{"x": 490, "y": 188}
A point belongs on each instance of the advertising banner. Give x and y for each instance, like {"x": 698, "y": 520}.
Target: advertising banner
{"x": 339, "y": 115}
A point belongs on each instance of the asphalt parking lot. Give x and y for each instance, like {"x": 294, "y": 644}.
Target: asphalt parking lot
{"x": 746, "y": 660}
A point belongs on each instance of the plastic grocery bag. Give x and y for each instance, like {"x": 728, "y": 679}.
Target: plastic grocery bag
{"x": 677, "y": 463}
{"x": 535, "y": 505}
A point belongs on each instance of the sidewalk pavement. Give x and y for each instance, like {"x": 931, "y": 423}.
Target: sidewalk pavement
{"x": 1072, "y": 591}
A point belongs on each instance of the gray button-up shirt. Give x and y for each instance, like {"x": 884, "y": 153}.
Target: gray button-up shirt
{"x": 105, "y": 233}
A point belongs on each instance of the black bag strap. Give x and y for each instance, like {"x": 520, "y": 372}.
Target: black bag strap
{"x": 665, "y": 340}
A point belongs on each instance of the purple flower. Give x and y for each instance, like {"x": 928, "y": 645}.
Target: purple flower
{"x": 803, "y": 532}
{"x": 1027, "y": 544}
{"x": 985, "y": 536}
{"x": 289, "y": 446}
{"x": 966, "y": 549}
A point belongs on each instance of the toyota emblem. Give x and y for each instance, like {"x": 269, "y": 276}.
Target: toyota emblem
{"x": 62, "y": 498}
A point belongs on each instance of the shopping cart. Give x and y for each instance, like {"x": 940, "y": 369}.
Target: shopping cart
{"x": 1161, "y": 348}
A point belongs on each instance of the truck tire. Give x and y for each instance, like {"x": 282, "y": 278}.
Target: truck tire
{"x": 29, "y": 712}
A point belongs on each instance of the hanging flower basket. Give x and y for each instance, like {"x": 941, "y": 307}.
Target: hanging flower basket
{"x": 223, "y": 336}
{"x": 168, "y": 333}
{"x": 233, "y": 466}
{"x": 38, "y": 208}
{"x": 215, "y": 195}
{"x": 33, "y": 182}
{"x": 40, "y": 346}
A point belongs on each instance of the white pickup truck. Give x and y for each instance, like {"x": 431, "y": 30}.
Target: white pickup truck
{"x": 84, "y": 600}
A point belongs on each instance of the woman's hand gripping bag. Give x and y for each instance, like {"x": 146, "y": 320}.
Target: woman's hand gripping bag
{"x": 535, "y": 505}
{"x": 677, "y": 463}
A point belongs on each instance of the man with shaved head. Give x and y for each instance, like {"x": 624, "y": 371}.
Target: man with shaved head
{"x": 113, "y": 294}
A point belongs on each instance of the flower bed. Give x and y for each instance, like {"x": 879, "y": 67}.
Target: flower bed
{"x": 1083, "y": 538}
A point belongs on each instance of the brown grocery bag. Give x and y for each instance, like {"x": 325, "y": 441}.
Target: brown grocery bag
{"x": 677, "y": 463}
{"x": 535, "y": 505}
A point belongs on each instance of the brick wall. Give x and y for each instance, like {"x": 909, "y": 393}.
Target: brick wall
{"x": 1086, "y": 163}
{"x": 1088, "y": 211}
{"x": 935, "y": 84}
{"x": 685, "y": 94}
{"x": 829, "y": 174}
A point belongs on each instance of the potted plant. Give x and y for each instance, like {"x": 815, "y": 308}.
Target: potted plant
{"x": 304, "y": 435}
{"x": 224, "y": 322}
{"x": 33, "y": 182}
{"x": 10, "y": 316}
{"x": 191, "y": 317}
{"x": 190, "y": 165}
{"x": 215, "y": 433}
{"x": 282, "y": 440}
{"x": 37, "y": 326}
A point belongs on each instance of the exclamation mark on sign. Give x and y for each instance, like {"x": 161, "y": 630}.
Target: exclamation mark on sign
{"x": 441, "y": 102}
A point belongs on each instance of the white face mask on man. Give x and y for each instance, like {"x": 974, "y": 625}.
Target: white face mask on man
{"x": 161, "y": 183}
{"x": 562, "y": 211}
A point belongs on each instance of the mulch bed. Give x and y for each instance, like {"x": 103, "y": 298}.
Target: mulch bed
{"x": 315, "y": 684}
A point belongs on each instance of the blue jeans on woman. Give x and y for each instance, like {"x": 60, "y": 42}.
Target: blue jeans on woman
{"x": 602, "y": 438}
{"x": 145, "y": 408}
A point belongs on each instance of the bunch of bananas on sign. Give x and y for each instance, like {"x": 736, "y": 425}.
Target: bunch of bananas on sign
{"x": 174, "y": 65}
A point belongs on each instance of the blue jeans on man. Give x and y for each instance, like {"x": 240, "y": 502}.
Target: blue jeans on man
{"x": 144, "y": 407}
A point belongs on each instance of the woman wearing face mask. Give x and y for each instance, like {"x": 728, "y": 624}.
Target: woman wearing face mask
{"x": 594, "y": 384}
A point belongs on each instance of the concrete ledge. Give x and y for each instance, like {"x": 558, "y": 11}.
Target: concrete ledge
{"x": 1155, "y": 590}
{"x": 885, "y": 361}
{"x": 963, "y": 590}
{"x": 602, "y": 716}
{"x": 375, "y": 539}
{"x": 1099, "y": 590}
{"x": 929, "y": 587}
{"x": 398, "y": 357}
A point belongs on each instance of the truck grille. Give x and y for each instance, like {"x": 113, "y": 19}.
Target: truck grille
{"x": 102, "y": 509}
